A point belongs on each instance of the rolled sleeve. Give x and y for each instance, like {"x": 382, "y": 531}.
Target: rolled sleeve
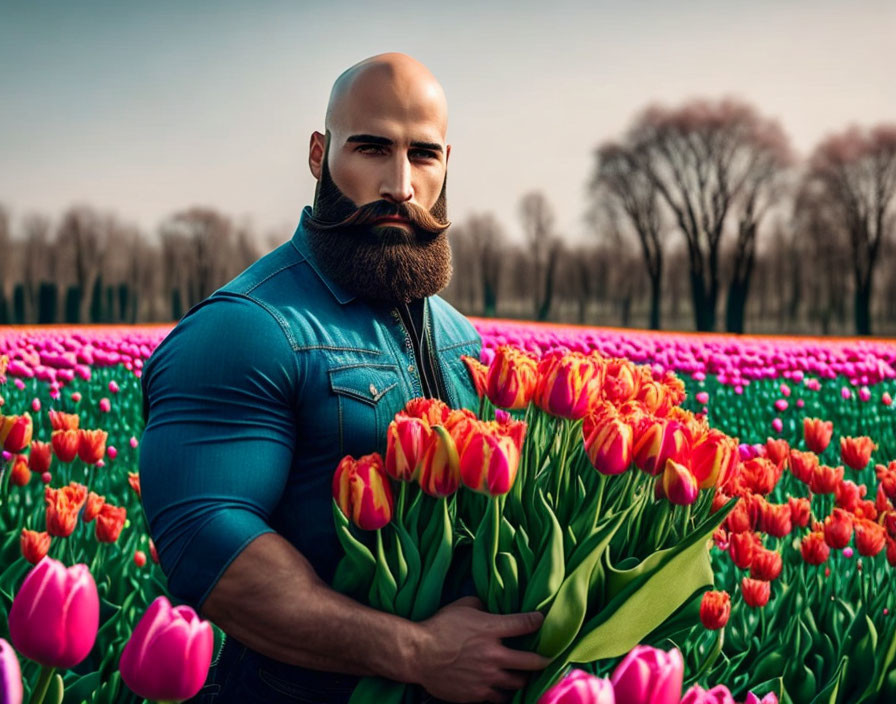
{"x": 220, "y": 394}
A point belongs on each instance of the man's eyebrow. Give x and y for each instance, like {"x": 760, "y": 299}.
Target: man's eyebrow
{"x": 386, "y": 142}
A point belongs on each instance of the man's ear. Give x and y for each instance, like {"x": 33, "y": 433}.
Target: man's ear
{"x": 316, "y": 150}
{"x": 447, "y": 153}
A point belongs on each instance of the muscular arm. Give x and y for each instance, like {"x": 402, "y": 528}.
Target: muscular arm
{"x": 294, "y": 617}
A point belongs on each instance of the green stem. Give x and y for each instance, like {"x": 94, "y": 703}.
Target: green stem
{"x": 43, "y": 683}
{"x": 711, "y": 656}
{"x": 4, "y": 485}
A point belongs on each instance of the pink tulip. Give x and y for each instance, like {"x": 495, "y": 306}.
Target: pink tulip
{"x": 649, "y": 676}
{"x": 578, "y": 687}
{"x": 781, "y": 405}
{"x": 105, "y": 405}
{"x": 702, "y": 397}
{"x": 168, "y": 655}
{"x": 864, "y": 393}
{"x": 777, "y": 425}
{"x": 770, "y": 698}
{"x": 133, "y": 442}
{"x": 111, "y": 452}
{"x": 717, "y": 695}
{"x": 55, "y": 614}
{"x": 113, "y": 387}
{"x": 10, "y": 675}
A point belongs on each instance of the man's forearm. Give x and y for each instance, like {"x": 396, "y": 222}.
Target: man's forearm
{"x": 271, "y": 599}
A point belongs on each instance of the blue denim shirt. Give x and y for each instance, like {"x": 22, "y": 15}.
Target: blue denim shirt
{"x": 257, "y": 394}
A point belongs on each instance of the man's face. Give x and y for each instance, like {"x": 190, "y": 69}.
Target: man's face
{"x": 378, "y": 222}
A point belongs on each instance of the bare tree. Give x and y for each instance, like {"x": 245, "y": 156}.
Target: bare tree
{"x": 701, "y": 157}
{"x": 544, "y": 246}
{"x": 619, "y": 183}
{"x": 81, "y": 243}
{"x": 35, "y": 265}
{"x": 487, "y": 238}
{"x": 6, "y": 268}
{"x": 855, "y": 173}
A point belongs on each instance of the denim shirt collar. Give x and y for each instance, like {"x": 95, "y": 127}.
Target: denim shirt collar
{"x": 300, "y": 242}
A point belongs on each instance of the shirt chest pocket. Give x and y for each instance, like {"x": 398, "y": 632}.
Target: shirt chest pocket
{"x": 368, "y": 396}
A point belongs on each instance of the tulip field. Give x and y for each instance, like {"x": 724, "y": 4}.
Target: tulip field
{"x": 702, "y": 519}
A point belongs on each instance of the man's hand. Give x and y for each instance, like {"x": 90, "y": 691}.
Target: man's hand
{"x": 462, "y": 658}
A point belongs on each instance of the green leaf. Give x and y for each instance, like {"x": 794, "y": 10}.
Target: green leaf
{"x": 356, "y": 569}
{"x": 376, "y": 690}
{"x": 551, "y": 569}
{"x": 829, "y": 694}
{"x": 568, "y": 609}
{"x": 505, "y": 563}
{"x": 484, "y": 550}
{"x": 650, "y": 599}
{"x": 429, "y": 594}
{"x": 384, "y": 589}
{"x": 55, "y": 691}
{"x": 404, "y": 599}
{"x": 82, "y": 688}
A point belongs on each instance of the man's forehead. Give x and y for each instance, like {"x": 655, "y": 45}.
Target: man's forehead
{"x": 391, "y": 95}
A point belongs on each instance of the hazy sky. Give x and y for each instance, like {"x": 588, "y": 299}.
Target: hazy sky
{"x": 145, "y": 108}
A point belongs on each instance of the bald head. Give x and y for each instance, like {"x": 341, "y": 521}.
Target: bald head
{"x": 393, "y": 84}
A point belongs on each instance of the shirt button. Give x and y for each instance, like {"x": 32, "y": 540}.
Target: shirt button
{"x": 411, "y": 368}
{"x": 372, "y": 390}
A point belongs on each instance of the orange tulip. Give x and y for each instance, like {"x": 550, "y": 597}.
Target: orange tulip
{"x": 817, "y": 433}
{"x": 94, "y": 504}
{"x": 856, "y": 452}
{"x": 432, "y": 410}
{"x": 439, "y": 472}
{"x": 756, "y": 592}
{"x": 714, "y": 457}
{"x": 678, "y": 485}
{"x": 847, "y": 494}
{"x": 15, "y": 432}
{"x": 656, "y": 440}
{"x": 838, "y": 529}
{"x": 64, "y": 421}
{"x": 621, "y": 381}
{"x": 35, "y": 545}
{"x": 362, "y": 491}
{"x": 134, "y": 481}
{"x": 887, "y": 478}
{"x": 20, "y": 475}
{"x": 109, "y": 522}
{"x": 41, "y": 456}
{"x": 65, "y": 444}
{"x": 62, "y": 507}
{"x": 568, "y": 384}
{"x": 489, "y": 461}
{"x": 715, "y": 609}
{"x": 406, "y": 441}
{"x": 776, "y": 519}
{"x": 824, "y": 479}
{"x": 741, "y": 547}
{"x": 477, "y": 372}
{"x": 766, "y": 565}
{"x": 511, "y": 378}
{"x": 760, "y": 475}
{"x": 803, "y": 464}
{"x": 92, "y": 445}
{"x": 608, "y": 442}
{"x": 800, "y": 510}
{"x": 871, "y": 537}
{"x": 778, "y": 451}
{"x": 739, "y": 520}
{"x": 814, "y": 549}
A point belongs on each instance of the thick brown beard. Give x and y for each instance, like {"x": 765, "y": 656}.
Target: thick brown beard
{"x": 385, "y": 264}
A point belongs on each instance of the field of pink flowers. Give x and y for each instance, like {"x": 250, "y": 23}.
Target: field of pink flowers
{"x": 802, "y": 595}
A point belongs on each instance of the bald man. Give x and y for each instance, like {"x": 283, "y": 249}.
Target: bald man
{"x": 304, "y": 358}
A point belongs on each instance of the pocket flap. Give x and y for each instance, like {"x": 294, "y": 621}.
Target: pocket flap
{"x": 365, "y": 382}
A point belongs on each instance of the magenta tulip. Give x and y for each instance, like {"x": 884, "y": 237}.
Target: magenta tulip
{"x": 55, "y": 615}
{"x": 717, "y": 695}
{"x": 10, "y": 675}
{"x": 649, "y": 676}
{"x": 770, "y": 698}
{"x": 578, "y": 687}
{"x": 168, "y": 655}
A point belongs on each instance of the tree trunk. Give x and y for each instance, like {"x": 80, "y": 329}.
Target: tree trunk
{"x": 656, "y": 281}
{"x": 735, "y": 307}
{"x": 863, "y": 307}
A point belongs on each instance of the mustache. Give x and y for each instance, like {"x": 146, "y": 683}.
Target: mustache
{"x": 369, "y": 213}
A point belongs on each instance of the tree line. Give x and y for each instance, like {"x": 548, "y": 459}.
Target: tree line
{"x": 701, "y": 217}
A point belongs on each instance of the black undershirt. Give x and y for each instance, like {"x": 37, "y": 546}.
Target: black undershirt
{"x": 411, "y": 315}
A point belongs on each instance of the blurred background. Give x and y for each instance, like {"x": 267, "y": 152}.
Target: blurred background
{"x": 672, "y": 165}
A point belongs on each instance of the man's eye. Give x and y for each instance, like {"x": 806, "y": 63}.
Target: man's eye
{"x": 371, "y": 149}
{"x": 423, "y": 154}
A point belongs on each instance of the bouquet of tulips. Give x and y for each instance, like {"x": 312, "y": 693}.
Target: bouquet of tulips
{"x": 581, "y": 489}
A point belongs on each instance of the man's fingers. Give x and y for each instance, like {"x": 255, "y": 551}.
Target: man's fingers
{"x": 509, "y": 625}
{"x": 497, "y": 696}
{"x": 511, "y": 659}
{"x": 473, "y": 602}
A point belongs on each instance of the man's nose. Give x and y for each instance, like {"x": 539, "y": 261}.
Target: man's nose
{"x": 396, "y": 186}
